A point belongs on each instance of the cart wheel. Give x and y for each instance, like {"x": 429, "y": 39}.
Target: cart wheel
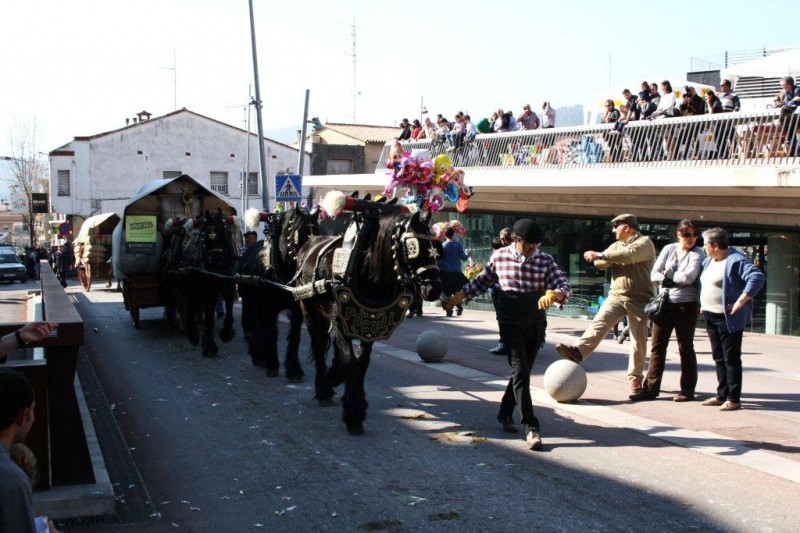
{"x": 135, "y": 316}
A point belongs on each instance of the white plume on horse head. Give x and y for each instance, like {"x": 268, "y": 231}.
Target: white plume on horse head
{"x": 188, "y": 225}
{"x": 333, "y": 203}
{"x": 168, "y": 226}
{"x": 252, "y": 218}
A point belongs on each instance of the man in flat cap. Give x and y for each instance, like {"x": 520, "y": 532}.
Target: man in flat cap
{"x": 248, "y": 295}
{"x": 630, "y": 258}
{"x": 530, "y": 282}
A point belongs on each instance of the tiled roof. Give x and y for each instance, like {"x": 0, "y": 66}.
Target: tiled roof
{"x": 365, "y": 132}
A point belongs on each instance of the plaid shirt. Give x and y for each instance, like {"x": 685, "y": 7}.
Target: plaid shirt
{"x": 515, "y": 272}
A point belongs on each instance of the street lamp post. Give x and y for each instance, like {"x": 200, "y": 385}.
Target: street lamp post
{"x": 422, "y": 109}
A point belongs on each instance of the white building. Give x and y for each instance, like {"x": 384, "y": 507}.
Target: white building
{"x": 99, "y": 173}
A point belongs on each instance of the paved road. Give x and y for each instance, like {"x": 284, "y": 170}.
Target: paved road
{"x": 223, "y": 448}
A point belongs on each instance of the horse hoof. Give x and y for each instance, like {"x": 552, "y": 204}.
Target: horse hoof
{"x": 326, "y": 401}
{"x": 295, "y": 379}
{"x": 355, "y": 428}
{"x": 272, "y": 373}
{"x": 259, "y": 363}
{"x": 209, "y": 355}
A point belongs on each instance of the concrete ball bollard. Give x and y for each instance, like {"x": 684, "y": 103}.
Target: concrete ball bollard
{"x": 565, "y": 381}
{"x": 431, "y": 346}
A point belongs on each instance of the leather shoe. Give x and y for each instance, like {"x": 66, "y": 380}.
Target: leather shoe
{"x": 500, "y": 349}
{"x": 636, "y": 385}
{"x": 643, "y": 396}
{"x": 713, "y": 401}
{"x": 508, "y": 423}
{"x": 571, "y": 353}
{"x": 730, "y": 406}
{"x": 533, "y": 439}
{"x": 683, "y": 397}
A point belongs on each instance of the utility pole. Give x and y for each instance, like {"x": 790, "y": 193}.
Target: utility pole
{"x": 302, "y": 155}
{"x": 261, "y": 152}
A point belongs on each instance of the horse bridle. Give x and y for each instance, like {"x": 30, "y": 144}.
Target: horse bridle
{"x": 406, "y": 247}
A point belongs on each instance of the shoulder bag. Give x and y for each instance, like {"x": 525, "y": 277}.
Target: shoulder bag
{"x": 658, "y": 305}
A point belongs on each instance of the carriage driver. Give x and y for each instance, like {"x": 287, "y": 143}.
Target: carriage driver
{"x": 250, "y": 240}
{"x": 531, "y": 281}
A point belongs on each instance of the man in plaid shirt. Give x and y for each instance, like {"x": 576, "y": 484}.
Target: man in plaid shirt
{"x": 531, "y": 282}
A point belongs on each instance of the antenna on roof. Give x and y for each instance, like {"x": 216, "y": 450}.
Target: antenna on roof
{"x": 174, "y": 69}
{"x": 355, "y": 60}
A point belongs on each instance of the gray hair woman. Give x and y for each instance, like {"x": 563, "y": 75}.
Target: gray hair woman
{"x": 676, "y": 270}
{"x": 729, "y": 282}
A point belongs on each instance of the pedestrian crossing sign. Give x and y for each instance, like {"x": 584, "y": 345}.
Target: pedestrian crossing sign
{"x": 288, "y": 187}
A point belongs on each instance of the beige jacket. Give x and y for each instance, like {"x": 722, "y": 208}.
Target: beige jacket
{"x": 630, "y": 262}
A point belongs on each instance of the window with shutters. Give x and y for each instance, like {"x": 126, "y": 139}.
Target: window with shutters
{"x": 252, "y": 184}
{"x": 63, "y": 183}
{"x": 169, "y": 174}
{"x": 219, "y": 182}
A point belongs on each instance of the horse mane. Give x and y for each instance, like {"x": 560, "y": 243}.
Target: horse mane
{"x": 378, "y": 264}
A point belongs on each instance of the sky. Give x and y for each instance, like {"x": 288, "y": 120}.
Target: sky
{"x": 81, "y": 67}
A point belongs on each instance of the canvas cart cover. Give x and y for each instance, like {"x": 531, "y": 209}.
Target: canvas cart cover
{"x": 103, "y": 223}
{"x": 138, "y": 239}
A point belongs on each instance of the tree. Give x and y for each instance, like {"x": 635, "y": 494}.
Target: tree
{"x": 29, "y": 173}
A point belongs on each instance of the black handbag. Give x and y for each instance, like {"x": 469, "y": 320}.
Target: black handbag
{"x": 657, "y": 306}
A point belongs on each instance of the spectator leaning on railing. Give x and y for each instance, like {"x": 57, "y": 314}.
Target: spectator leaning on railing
{"x": 548, "y": 116}
{"x": 789, "y": 105}
{"x": 730, "y": 102}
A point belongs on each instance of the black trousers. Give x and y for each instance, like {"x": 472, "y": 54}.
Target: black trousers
{"x": 726, "y": 349}
{"x": 682, "y": 318}
{"x": 524, "y": 343}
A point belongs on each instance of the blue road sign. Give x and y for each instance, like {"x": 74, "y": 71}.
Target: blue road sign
{"x": 288, "y": 188}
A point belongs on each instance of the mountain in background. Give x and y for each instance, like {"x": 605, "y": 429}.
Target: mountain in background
{"x": 286, "y": 135}
{"x": 569, "y": 116}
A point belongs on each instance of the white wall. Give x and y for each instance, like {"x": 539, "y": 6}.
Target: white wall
{"x": 110, "y": 169}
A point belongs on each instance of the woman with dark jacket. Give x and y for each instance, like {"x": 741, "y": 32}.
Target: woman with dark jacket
{"x": 729, "y": 282}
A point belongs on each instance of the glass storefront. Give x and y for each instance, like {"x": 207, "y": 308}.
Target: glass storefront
{"x": 775, "y": 252}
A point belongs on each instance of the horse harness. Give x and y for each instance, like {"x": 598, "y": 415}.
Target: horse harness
{"x": 350, "y": 315}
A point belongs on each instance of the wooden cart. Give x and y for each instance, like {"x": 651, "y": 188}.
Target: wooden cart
{"x": 139, "y": 239}
{"x": 93, "y": 249}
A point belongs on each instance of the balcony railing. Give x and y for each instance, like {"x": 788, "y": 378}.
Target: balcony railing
{"x": 733, "y": 139}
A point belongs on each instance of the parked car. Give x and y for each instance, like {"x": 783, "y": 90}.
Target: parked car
{"x": 11, "y": 269}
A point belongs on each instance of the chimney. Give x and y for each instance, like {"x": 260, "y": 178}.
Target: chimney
{"x": 127, "y": 121}
{"x": 134, "y": 120}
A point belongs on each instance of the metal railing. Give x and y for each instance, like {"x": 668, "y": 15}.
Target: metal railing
{"x": 733, "y": 139}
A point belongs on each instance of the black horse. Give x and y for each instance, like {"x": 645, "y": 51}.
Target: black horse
{"x": 200, "y": 265}
{"x": 359, "y": 286}
{"x": 264, "y": 270}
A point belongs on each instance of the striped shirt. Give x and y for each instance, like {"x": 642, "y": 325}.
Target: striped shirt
{"x": 515, "y": 272}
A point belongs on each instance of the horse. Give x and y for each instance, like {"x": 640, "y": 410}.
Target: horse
{"x": 201, "y": 264}
{"x": 359, "y": 286}
{"x": 263, "y": 272}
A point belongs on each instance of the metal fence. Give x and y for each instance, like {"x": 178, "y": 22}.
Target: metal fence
{"x": 733, "y": 139}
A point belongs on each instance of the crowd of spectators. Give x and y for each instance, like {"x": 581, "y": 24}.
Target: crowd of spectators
{"x": 652, "y": 102}
{"x": 463, "y": 130}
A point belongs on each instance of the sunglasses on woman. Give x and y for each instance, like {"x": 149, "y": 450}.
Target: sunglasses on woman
{"x": 688, "y": 235}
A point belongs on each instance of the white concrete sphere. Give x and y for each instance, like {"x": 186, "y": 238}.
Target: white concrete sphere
{"x": 431, "y": 346}
{"x": 565, "y": 381}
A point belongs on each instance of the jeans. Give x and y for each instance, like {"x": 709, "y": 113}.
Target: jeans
{"x": 524, "y": 343}
{"x": 726, "y": 348}
{"x": 682, "y": 317}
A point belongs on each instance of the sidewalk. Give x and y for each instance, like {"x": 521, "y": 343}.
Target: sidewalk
{"x": 768, "y": 424}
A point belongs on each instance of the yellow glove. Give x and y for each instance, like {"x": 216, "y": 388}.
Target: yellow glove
{"x": 453, "y": 301}
{"x": 550, "y": 297}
